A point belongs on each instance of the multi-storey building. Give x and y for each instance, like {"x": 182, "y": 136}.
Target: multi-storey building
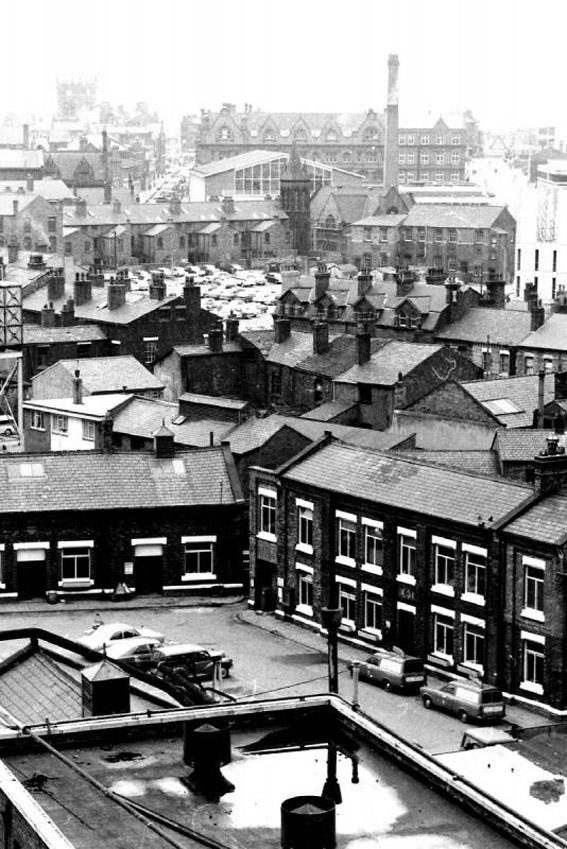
{"x": 354, "y": 141}
{"x": 464, "y": 571}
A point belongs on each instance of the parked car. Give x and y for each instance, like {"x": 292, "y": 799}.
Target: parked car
{"x": 102, "y": 635}
{"x": 133, "y": 650}
{"x": 194, "y": 269}
{"x": 7, "y": 426}
{"x": 149, "y": 654}
{"x": 177, "y": 271}
{"x": 391, "y": 669}
{"x": 467, "y": 699}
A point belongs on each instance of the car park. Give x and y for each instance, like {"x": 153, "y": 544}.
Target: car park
{"x": 103, "y": 635}
{"x": 468, "y": 699}
{"x": 392, "y": 669}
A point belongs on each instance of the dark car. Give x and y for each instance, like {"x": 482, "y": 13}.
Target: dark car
{"x": 469, "y": 699}
{"x": 391, "y": 669}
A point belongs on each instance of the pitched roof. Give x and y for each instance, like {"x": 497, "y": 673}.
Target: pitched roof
{"x": 10, "y": 158}
{"x": 37, "y": 687}
{"x": 380, "y": 221}
{"x": 386, "y": 478}
{"x": 480, "y": 462}
{"x": 143, "y": 416}
{"x": 440, "y": 215}
{"x": 551, "y": 336}
{"x": 49, "y": 188}
{"x": 511, "y": 400}
{"x": 520, "y": 446}
{"x": 34, "y": 334}
{"x": 544, "y": 522}
{"x": 388, "y": 361}
{"x": 297, "y": 352}
{"x": 106, "y": 374}
{"x": 136, "y": 305}
{"x": 327, "y": 411}
{"x": 504, "y": 327}
{"x": 214, "y": 401}
{"x": 91, "y": 480}
{"x": 67, "y": 163}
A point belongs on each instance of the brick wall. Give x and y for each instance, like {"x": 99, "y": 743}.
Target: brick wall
{"x": 452, "y": 402}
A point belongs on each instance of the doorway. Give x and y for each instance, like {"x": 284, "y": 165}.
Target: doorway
{"x": 405, "y": 630}
{"x": 31, "y": 577}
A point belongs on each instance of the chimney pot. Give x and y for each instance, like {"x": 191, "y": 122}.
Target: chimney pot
{"x": 77, "y": 388}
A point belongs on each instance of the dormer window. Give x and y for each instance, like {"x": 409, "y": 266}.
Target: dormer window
{"x": 371, "y": 134}
{"x": 269, "y": 135}
{"x": 332, "y": 137}
{"x": 300, "y": 135}
{"x": 225, "y": 134}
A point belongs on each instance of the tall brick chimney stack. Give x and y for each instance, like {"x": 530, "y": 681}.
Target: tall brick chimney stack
{"x": 391, "y": 139}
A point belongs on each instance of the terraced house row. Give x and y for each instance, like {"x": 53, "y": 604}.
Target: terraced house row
{"x": 465, "y": 571}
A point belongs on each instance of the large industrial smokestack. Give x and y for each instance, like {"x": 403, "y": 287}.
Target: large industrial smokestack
{"x": 391, "y": 140}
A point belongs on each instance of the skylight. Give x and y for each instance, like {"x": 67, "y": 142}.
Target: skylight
{"x": 30, "y": 470}
{"x": 502, "y": 406}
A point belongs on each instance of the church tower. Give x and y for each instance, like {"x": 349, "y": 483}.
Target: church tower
{"x": 295, "y": 194}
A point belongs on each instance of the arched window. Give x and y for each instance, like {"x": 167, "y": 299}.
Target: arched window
{"x": 330, "y": 222}
{"x": 300, "y": 135}
{"x": 346, "y": 156}
{"x": 225, "y": 134}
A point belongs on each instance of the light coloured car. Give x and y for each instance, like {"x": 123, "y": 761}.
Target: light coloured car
{"x": 7, "y": 426}
{"x": 116, "y": 632}
{"x": 135, "y": 650}
{"x": 177, "y": 271}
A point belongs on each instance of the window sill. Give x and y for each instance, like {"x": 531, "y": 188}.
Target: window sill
{"x": 441, "y": 659}
{"x": 304, "y": 548}
{"x": 306, "y": 609}
{"x": 532, "y": 687}
{"x": 469, "y": 666}
{"x": 473, "y": 598}
{"x": 534, "y": 615}
{"x": 406, "y": 579}
{"x": 443, "y": 589}
{"x": 200, "y": 576}
{"x": 372, "y": 568}
{"x": 371, "y": 632}
{"x": 266, "y": 536}
{"x": 345, "y": 561}
{"x": 76, "y": 582}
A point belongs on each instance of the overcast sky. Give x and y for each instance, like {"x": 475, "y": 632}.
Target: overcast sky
{"x": 505, "y": 59}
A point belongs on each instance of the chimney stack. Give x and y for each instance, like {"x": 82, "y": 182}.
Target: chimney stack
{"x": 362, "y": 344}
{"x": 550, "y": 468}
{"x": 192, "y": 296}
{"x": 116, "y": 206}
{"x": 13, "y": 248}
{"x": 232, "y": 323}
{"x": 105, "y": 434}
{"x": 26, "y": 136}
{"x": 227, "y": 205}
{"x": 364, "y": 283}
{"x": 15, "y": 206}
{"x": 56, "y": 284}
{"x": 115, "y": 295}
{"x": 391, "y": 139}
{"x": 540, "y": 398}
{"x": 537, "y": 313}
{"x": 77, "y": 388}
{"x": 29, "y": 183}
{"x": 68, "y": 313}
{"x": 282, "y": 329}
{"x": 82, "y": 289}
{"x": 81, "y": 208}
{"x": 320, "y": 337}
{"x": 404, "y": 282}
{"x": 216, "y": 339}
{"x": 322, "y": 277}
{"x": 48, "y": 315}
{"x": 158, "y": 289}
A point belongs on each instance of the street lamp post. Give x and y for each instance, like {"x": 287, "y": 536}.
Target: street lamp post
{"x": 331, "y": 619}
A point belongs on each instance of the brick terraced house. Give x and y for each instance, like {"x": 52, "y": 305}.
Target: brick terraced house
{"x": 463, "y": 570}
{"x": 78, "y": 523}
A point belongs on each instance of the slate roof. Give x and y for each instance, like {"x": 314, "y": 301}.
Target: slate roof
{"x": 479, "y": 462}
{"x": 544, "y": 522}
{"x": 106, "y": 374}
{"x": 204, "y": 350}
{"x": 327, "y": 411}
{"x": 551, "y": 336}
{"x": 521, "y": 392}
{"x": 49, "y": 188}
{"x": 520, "y": 446}
{"x": 380, "y": 221}
{"x": 67, "y": 163}
{"x": 386, "y": 363}
{"x": 263, "y": 340}
{"x": 92, "y": 480}
{"x": 198, "y": 212}
{"x": 214, "y": 401}
{"x": 137, "y": 305}
{"x": 348, "y": 122}
{"x": 385, "y": 478}
{"x": 297, "y": 352}
{"x": 34, "y": 334}
{"x": 504, "y": 327}
{"x": 439, "y": 215}
{"x": 253, "y": 433}
{"x": 7, "y": 202}
{"x": 143, "y": 416}
{"x": 37, "y": 687}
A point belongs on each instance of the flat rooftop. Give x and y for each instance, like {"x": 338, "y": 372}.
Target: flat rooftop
{"x": 275, "y": 756}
